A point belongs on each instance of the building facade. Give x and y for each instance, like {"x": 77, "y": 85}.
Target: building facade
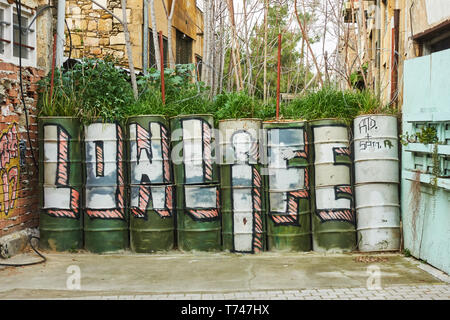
{"x": 392, "y": 31}
{"x": 19, "y": 176}
{"x": 95, "y": 33}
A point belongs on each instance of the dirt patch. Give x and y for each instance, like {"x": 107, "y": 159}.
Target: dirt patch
{"x": 370, "y": 259}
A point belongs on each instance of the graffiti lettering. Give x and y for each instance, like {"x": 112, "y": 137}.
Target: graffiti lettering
{"x": 104, "y": 171}
{"x": 288, "y": 182}
{"x": 334, "y": 203}
{"x": 60, "y": 200}
{"x": 149, "y": 162}
{"x": 367, "y": 124}
{"x": 197, "y": 157}
{"x": 9, "y": 169}
{"x": 202, "y": 202}
{"x": 246, "y": 194}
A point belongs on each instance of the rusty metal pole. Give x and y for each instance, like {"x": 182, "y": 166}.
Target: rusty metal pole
{"x": 163, "y": 93}
{"x": 278, "y": 76}
{"x": 394, "y": 57}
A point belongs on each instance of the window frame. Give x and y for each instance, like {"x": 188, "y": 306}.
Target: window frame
{"x": 9, "y": 10}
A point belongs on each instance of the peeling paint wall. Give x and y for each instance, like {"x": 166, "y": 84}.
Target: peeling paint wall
{"x": 426, "y": 208}
{"x": 19, "y": 177}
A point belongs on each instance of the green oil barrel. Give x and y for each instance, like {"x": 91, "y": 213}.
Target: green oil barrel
{"x": 196, "y": 179}
{"x": 287, "y": 160}
{"x": 198, "y": 217}
{"x": 60, "y": 183}
{"x": 333, "y": 222}
{"x": 105, "y": 216}
{"x": 151, "y": 205}
{"x": 242, "y": 191}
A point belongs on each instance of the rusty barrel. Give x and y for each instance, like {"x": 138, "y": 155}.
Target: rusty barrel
{"x": 242, "y": 193}
{"x": 288, "y": 166}
{"x": 333, "y": 222}
{"x": 376, "y": 182}
{"x": 60, "y": 183}
{"x": 196, "y": 179}
{"x": 150, "y": 184}
{"x": 105, "y": 216}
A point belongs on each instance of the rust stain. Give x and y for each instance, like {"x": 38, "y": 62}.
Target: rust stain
{"x": 370, "y": 259}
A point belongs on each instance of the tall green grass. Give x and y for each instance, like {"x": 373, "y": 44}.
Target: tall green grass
{"x": 333, "y": 103}
{"x": 97, "y": 89}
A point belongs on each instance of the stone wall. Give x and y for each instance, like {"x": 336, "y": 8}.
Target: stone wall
{"x": 96, "y": 34}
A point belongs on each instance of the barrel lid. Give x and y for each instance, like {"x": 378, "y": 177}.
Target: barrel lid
{"x": 147, "y": 115}
{"x": 241, "y": 119}
{"x": 192, "y": 115}
{"x": 376, "y": 114}
{"x": 57, "y": 117}
{"x": 322, "y": 119}
{"x": 275, "y": 121}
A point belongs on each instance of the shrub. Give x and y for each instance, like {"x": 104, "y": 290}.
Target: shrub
{"x": 92, "y": 89}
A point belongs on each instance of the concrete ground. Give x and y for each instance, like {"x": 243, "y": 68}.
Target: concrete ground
{"x": 176, "y": 275}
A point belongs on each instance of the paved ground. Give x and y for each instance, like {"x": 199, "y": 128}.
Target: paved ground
{"x": 265, "y": 276}
{"x": 426, "y": 292}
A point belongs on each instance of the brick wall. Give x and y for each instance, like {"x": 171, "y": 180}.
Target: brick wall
{"x": 18, "y": 184}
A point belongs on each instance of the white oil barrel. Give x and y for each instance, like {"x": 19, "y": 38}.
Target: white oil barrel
{"x": 376, "y": 182}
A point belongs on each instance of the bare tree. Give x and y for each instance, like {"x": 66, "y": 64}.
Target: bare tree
{"x": 235, "y": 47}
{"x": 305, "y": 36}
{"x": 155, "y": 34}
{"x": 169, "y": 16}
{"x": 205, "y": 62}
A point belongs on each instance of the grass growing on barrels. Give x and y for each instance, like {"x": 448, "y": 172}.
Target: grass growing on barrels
{"x": 96, "y": 89}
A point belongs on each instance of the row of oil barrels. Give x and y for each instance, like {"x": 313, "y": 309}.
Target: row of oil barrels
{"x": 290, "y": 186}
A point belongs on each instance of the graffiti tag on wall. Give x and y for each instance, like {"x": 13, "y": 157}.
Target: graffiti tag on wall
{"x": 9, "y": 169}
{"x": 366, "y": 126}
{"x": 60, "y": 200}
{"x": 150, "y": 164}
{"x": 288, "y": 181}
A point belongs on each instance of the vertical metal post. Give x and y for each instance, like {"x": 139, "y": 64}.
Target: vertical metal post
{"x": 60, "y": 32}
{"x": 145, "y": 38}
{"x": 161, "y": 51}
{"x": 394, "y": 55}
{"x": 53, "y": 68}
{"x": 278, "y": 76}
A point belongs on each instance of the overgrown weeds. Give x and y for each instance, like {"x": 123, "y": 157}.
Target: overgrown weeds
{"x": 91, "y": 90}
{"x": 330, "y": 102}
{"x": 96, "y": 89}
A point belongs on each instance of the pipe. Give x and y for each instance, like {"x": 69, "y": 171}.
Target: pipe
{"x": 53, "y": 69}
{"x": 395, "y": 58}
{"x": 278, "y": 76}
{"x": 378, "y": 48}
{"x": 60, "y": 32}
{"x": 163, "y": 85}
{"x": 145, "y": 39}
